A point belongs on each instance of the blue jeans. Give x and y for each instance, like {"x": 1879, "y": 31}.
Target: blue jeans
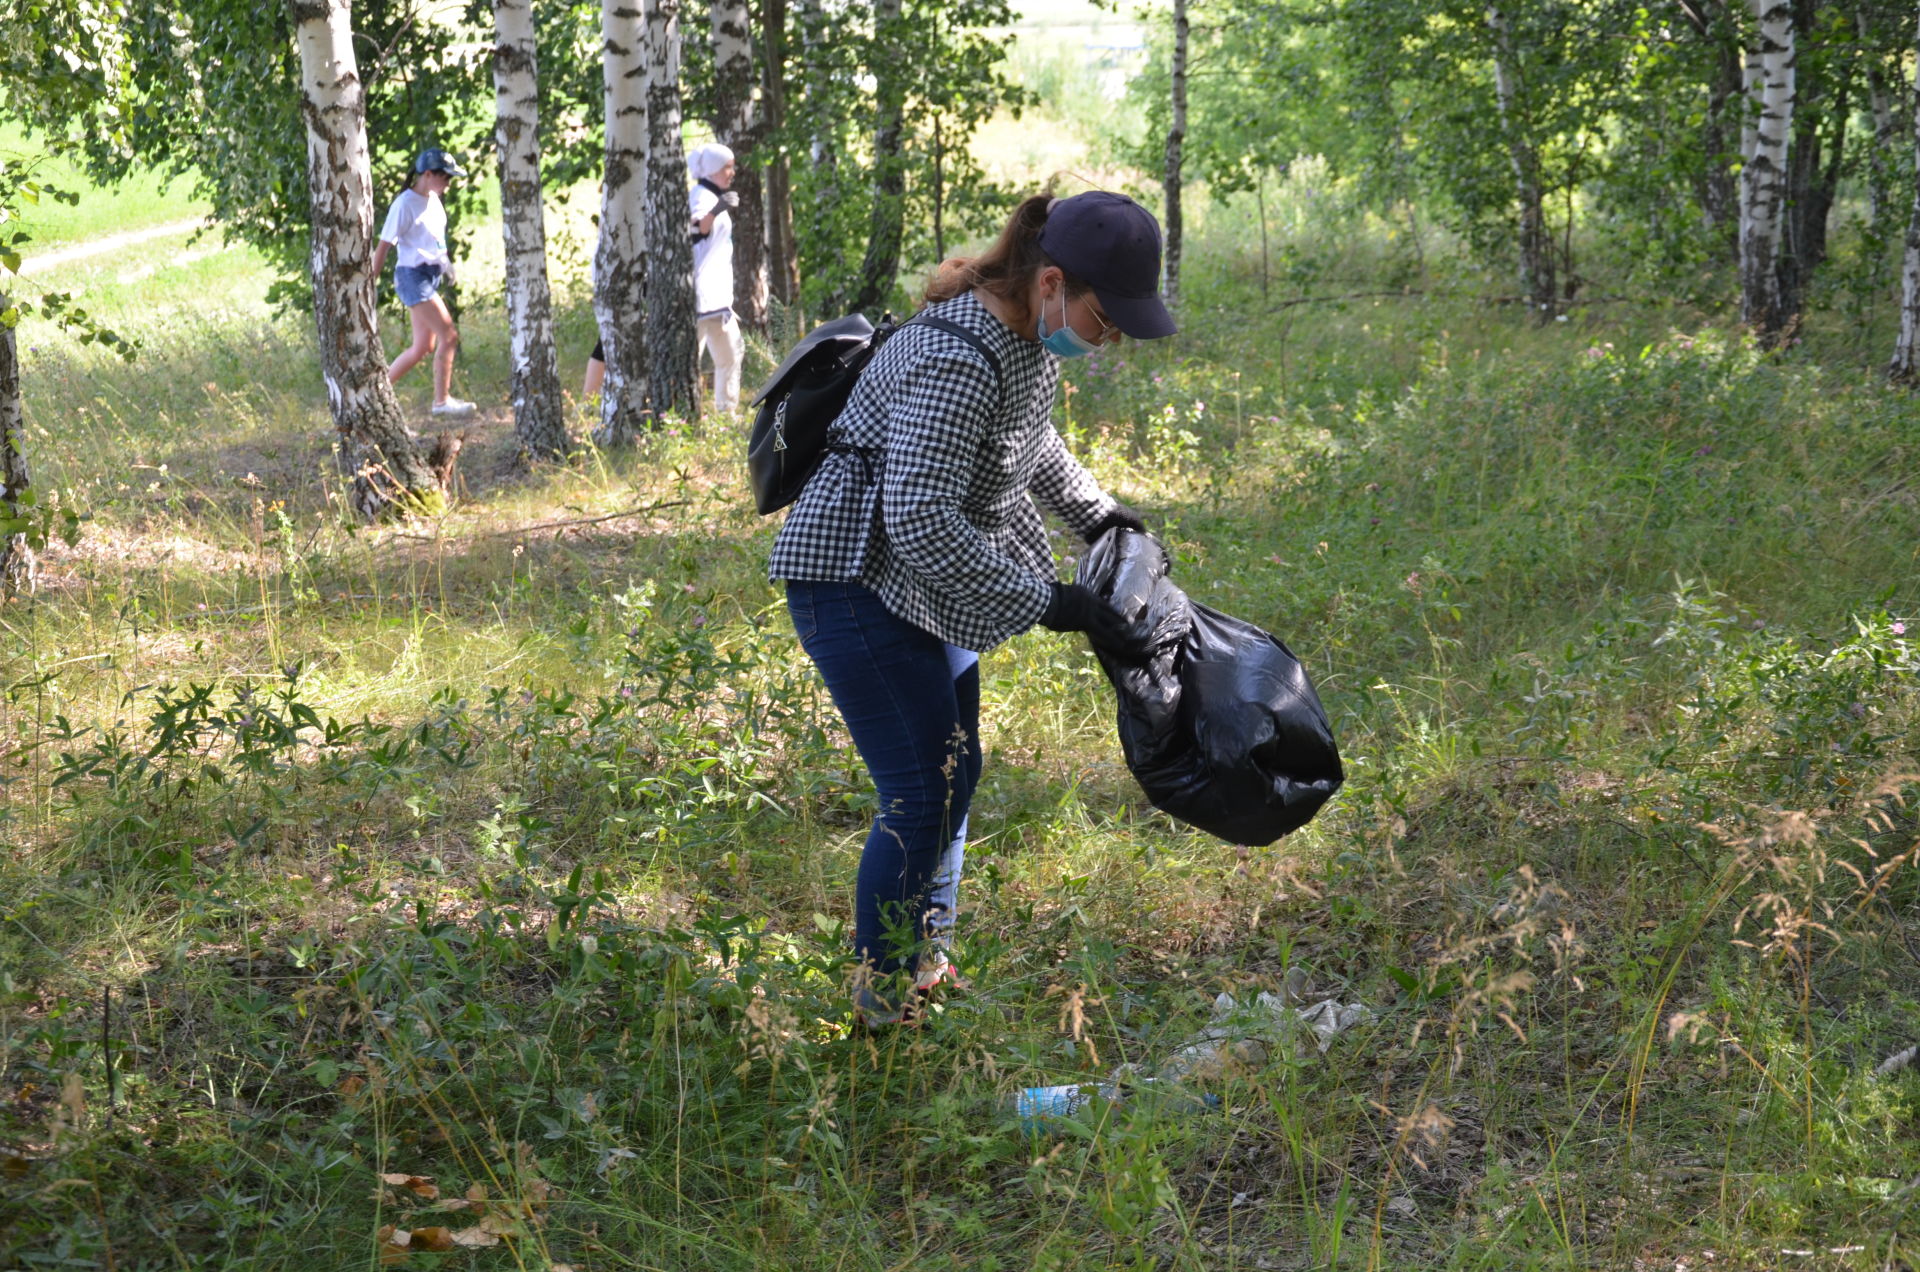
{"x": 417, "y": 284}
{"x": 912, "y": 703}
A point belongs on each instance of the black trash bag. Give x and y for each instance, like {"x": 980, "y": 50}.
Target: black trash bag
{"x": 1219, "y": 723}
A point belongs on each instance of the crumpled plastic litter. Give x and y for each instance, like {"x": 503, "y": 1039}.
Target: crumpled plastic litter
{"x": 1240, "y": 1038}
{"x": 1243, "y": 1037}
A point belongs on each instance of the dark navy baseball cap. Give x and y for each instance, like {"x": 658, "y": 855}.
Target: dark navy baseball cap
{"x": 434, "y": 159}
{"x": 1112, "y": 244}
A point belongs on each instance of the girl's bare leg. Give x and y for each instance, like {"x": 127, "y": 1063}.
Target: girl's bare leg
{"x": 423, "y": 340}
{"x": 448, "y": 341}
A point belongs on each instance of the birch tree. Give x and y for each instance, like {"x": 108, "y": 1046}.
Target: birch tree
{"x": 1880, "y": 150}
{"x": 537, "y": 416}
{"x": 1536, "y": 249}
{"x": 63, "y": 61}
{"x": 881, "y": 265}
{"x": 1905, "y": 367}
{"x": 380, "y": 453}
{"x": 739, "y": 126}
{"x": 1174, "y": 229}
{"x": 619, "y": 265}
{"x": 673, "y": 363}
{"x": 17, "y": 562}
{"x": 1763, "y": 181}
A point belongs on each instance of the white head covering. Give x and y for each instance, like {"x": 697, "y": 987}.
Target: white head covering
{"x": 706, "y": 160}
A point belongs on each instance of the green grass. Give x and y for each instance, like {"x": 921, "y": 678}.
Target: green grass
{"x": 143, "y": 200}
{"x": 516, "y": 853}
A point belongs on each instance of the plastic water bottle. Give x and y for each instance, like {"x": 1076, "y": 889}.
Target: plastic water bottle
{"x": 1042, "y": 1109}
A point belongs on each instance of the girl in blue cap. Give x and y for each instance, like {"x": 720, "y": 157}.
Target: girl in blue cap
{"x": 417, "y": 225}
{"x": 917, "y": 545}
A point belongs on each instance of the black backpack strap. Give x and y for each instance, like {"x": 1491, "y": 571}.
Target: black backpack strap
{"x": 980, "y": 346}
{"x": 887, "y": 328}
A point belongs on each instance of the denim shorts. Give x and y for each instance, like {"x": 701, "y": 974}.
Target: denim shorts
{"x": 417, "y": 284}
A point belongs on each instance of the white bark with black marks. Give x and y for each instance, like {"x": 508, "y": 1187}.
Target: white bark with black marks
{"x": 1905, "y": 366}
{"x": 17, "y": 563}
{"x": 538, "y": 419}
{"x": 739, "y": 126}
{"x": 1535, "y": 245}
{"x": 673, "y": 363}
{"x": 1171, "y": 178}
{"x": 619, "y": 263}
{"x": 1763, "y": 182}
{"x": 380, "y": 453}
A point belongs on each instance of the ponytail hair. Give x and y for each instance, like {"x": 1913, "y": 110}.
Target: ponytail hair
{"x": 1006, "y": 269}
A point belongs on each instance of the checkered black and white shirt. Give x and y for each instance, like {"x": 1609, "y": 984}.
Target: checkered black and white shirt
{"x": 946, "y": 533}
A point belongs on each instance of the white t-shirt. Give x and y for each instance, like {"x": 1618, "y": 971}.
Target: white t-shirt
{"x": 417, "y": 225}
{"x": 712, "y": 255}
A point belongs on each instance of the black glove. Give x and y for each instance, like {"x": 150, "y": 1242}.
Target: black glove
{"x": 731, "y": 198}
{"x": 1073, "y": 608}
{"x": 1121, "y": 517}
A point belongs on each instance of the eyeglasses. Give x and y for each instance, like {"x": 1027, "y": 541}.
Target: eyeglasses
{"x": 1106, "y": 328}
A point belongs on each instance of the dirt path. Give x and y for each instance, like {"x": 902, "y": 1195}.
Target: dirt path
{"x": 110, "y": 243}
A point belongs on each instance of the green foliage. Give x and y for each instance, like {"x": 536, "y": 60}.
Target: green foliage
{"x": 950, "y": 69}
{"x": 209, "y": 91}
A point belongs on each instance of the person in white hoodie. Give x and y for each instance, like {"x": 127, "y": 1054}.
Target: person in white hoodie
{"x": 417, "y": 226}
{"x": 711, "y": 202}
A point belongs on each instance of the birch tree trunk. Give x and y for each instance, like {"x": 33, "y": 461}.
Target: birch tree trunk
{"x": 537, "y": 417}
{"x": 881, "y": 265}
{"x": 16, "y": 555}
{"x": 1176, "y": 143}
{"x": 1880, "y": 150}
{"x": 1536, "y": 247}
{"x": 783, "y": 263}
{"x": 738, "y": 126}
{"x": 1750, "y": 80}
{"x": 619, "y": 262}
{"x": 377, "y": 448}
{"x": 1905, "y": 367}
{"x": 673, "y": 364}
{"x": 1763, "y": 181}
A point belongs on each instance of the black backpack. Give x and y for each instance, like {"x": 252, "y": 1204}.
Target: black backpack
{"x": 805, "y": 395}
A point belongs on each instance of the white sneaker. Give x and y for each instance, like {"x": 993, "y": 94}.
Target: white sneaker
{"x": 936, "y": 972}
{"x": 454, "y": 408}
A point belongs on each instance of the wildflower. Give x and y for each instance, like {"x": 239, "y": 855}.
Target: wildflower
{"x": 1899, "y": 629}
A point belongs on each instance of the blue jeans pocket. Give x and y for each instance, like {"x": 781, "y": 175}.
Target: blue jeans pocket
{"x": 800, "y": 607}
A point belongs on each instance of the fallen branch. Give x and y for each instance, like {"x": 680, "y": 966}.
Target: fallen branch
{"x": 545, "y": 525}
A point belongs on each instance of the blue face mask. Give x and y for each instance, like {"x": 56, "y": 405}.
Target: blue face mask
{"x": 1063, "y": 341}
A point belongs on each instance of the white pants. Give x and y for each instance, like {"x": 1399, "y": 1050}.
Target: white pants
{"x": 720, "y": 337}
